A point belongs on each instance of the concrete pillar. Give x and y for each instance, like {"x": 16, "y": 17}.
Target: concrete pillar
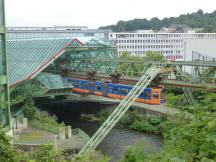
{"x": 61, "y": 133}
{"x": 25, "y": 123}
{"x": 68, "y": 131}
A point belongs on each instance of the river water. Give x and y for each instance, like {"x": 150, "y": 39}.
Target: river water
{"x": 119, "y": 139}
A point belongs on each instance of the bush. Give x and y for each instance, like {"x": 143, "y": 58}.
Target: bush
{"x": 103, "y": 115}
{"x": 143, "y": 126}
{"x": 46, "y": 153}
{"x": 7, "y": 152}
{"x": 93, "y": 157}
{"x": 176, "y": 100}
{"x": 138, "y": 153}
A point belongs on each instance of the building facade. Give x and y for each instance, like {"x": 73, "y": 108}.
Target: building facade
{"x": 4, "y": 87}
{"x": 169, "y": 44}
{"x": 56, "y": 32}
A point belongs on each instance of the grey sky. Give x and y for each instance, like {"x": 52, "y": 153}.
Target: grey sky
{"x": 95, "y": 13}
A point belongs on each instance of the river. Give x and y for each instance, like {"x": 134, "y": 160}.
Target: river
{"x": 119, "y": 139}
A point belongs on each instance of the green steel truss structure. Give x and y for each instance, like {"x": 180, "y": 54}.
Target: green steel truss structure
{"x": 187, "y": 92}
{"x": 120, "y": 110}
{"x": 150, "y": 71}
{"x": 4, "y": 88}
{"x": 72, "y": 61}
{"x": 34, "y": 63}
{"x": 136, "y": 68}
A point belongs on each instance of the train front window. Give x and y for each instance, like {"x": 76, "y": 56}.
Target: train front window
{"x": 155, "y": 95}
{"x": 147, "y": 95}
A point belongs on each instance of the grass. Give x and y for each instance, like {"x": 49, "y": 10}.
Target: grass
{"x": 33, "y": 136}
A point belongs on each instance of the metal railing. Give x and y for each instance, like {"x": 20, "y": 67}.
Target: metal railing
{"x": 81, "y": 133}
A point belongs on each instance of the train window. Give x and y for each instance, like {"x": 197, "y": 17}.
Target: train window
{"x": 75, "y": 84}
{"x": 112, "y": 90}
{"x": 98, "y": 87}
{"x": 124, "y": 91}
{"x": 117, "y": 90}
{"x": 155, "y": 95}
{"x": 147, "y": 95}
{"x": 84, "y": 85}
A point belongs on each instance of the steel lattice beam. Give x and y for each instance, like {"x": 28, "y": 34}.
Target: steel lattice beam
{"x": 5, "y": 116}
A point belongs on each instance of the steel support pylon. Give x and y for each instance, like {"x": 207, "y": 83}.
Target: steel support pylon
{"x": 120, "y": 110}
{"x": 5, "y": 117}
{"x": 187, "y": 92}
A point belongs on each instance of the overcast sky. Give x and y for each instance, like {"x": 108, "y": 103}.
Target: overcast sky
{"x": 95, "y": 13}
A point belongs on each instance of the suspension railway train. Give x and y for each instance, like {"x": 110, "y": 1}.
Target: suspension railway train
{"x": 153, "y": 96}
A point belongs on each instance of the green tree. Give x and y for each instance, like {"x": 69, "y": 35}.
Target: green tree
{"x": 131, "y": 69}
{"x": 197, "y": 19}
{"x": 29, "y": 108}
{"x": 154, "y": 56}
{"x": 7, "y": 152}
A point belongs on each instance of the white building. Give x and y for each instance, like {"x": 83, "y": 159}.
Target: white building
{"x": 200, "y": 49}
{"x": 56, "y": 31}
{"x": 169, "y": 44}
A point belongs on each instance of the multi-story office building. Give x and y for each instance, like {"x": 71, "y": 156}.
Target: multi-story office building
{"x": 4, "y": 89}
{"x": 168, "y": 43}
{"x": 56, "y": 31}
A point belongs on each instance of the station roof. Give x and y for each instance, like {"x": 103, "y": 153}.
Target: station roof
{"x": 52, "y": 81}
{"x": 28, "y": 57}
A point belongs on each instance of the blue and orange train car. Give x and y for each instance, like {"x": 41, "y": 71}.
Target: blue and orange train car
{"x": 153, "y": 96}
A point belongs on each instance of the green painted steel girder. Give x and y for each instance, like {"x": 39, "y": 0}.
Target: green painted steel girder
{"x": 4, "y": 87}
{"x": 162, "y": 63}
{"x": 2, "y": 29}
{"x": 3, "y": 80}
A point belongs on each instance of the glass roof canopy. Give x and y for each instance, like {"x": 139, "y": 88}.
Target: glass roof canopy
{"x": 29, "y": 57}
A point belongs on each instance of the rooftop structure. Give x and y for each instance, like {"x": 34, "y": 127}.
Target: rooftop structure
{"x": 56, "y": 32}
{"x": 47, "y": 28}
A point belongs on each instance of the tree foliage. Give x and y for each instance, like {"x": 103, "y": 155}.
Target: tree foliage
{"x": 7, "y": 152}
{"x": 137, "y": 69}
{"x": 197, "y": 19}
{"x": 189, "y": 137}
{"x": 154, "y": 56}
{"x": 29, "y": 108}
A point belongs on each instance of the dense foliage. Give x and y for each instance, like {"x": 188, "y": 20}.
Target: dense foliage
{"x": 46, "y": 153}
{"x": 29, "y": 108}
{"x": 137, "y": 69}
{"x": 40, "y": 119}
{"x": 7, "y": 152}
{"x": 195, "y": 20}
{"x": 137, "y": 121}
{"x": 189, "y": 137}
